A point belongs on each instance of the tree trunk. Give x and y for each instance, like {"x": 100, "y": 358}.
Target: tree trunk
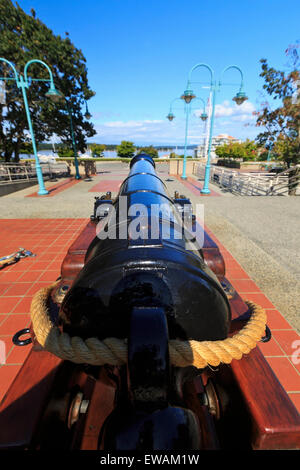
{"x": 17, "y": 152}
{"x": 293, "y": 181}
{"x": 7, "y": 155}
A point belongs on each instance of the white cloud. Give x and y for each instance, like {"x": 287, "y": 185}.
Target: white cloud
{"x": 162, "y": 131}
{"x": 151, "y": 131}
{"x": 226, "y": 109}
{"x": 98, "y": 115}
{"x": 225, "y": 123}
{"x": 118, "y": 124}
{"x": 243, "y": 118}
{"x": 131, "y": 124}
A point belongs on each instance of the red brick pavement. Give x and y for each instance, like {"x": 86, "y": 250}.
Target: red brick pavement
{"x": 58, "y": 188}
{"x": 106, "y": 185}
{"x": 195, "y": 186}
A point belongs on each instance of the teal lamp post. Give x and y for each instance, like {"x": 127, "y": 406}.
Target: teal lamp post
{"x": 70, "y": 112}
{"x": 269, "y": 152}
{"x": 87, "y": 115}
{"x": 23, "y": 83}
{"x": 188, "y": 95}
{"x": 269, "y": 147}
{"x": 188, "y": 110}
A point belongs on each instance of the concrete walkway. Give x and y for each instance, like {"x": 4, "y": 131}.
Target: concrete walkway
{"x": 263, "y": 235}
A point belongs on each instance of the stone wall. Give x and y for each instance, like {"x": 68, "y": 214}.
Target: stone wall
{"x": 176, "y": 167}
{"x": 8, "y": 188}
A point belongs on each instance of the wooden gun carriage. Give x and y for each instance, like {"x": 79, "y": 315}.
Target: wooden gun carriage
{"x": 145, "y": 292}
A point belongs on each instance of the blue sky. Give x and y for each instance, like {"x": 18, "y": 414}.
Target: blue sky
{"x": 139, "y": 55}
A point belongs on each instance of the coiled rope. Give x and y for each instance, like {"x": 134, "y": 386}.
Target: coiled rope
{"x": 113, "y": 351}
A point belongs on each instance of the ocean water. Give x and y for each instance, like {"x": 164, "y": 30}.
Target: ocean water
{"x": 25, "y": 156}
{"x": 110, "y": 153}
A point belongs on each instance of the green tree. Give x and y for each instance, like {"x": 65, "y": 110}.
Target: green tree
{"x": 65, "y": 151}
{"x": 245, "y": 150}
{"x": 126, "y": 149}
{"x": 236, "y": 150}
{"x": 150, "y": 150}
{"x": 263, "y": 155}
{"x": 282, "y": 124}
{"x": 222, "y": 151}
{"x": 24, "y": 37}
{"x": 97, "y": 149}
{"x": 26, "y": 148}
{"x": 250, "y": 150}
{"x": 283, "y": 150}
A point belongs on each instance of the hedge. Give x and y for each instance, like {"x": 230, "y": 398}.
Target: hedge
{"x": 103, "y": 159}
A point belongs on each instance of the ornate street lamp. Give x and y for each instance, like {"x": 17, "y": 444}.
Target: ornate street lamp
{"x": 204, "y": 116}
{"x": 170, "y": 116}
{"x": 87, "y": 114}
{"x": 239, "y": 98}
{"x": 56, "y": 97}
{"x": 70, "y": 112}
{"x": 187, "y": 96}
{"x": 23, "y": 83}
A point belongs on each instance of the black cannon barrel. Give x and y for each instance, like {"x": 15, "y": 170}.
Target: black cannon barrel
{"x": 157, "y": 271}
{"x": 144, "y": 187}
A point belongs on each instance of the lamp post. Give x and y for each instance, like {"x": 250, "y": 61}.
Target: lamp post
{"x": 22, "y": 82}
{"x": 269, "y": 152}
{"x": 188, "y": 109}
{"x": 188, "y": 95}
{"x": 87, "y": 115}
{"x": 70, "y": 111}
{"x": 269, "y": 147}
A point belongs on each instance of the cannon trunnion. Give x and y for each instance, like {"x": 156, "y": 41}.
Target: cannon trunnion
{"x": 149, "y": 290}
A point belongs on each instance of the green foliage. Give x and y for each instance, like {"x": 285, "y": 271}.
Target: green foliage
{"x": 282, "y": 124}
{"x": 126, "y": 149}
{"x": 46, "y": 146}
{"x": 284, "y": 150}
{"x": 65, "y": 152}
{"x": 250, "y": 150}
{"x": 150, "y": 150}
{"x": 97, "y": 149}
{"x": 24, "y": 37}
{"x": 263, "y": 157}
{"x": 246, "y": 150}
{"x": 222, "y": 151}
{"x": 26, "y": 148}
{"x": 110, "y": 146}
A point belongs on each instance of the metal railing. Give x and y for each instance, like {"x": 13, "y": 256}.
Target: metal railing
{"x": 252, "y": 184}
{"x": 14, "y": 173}
{"x": 278, "y": 187}
{"x": 18, "y": 173}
